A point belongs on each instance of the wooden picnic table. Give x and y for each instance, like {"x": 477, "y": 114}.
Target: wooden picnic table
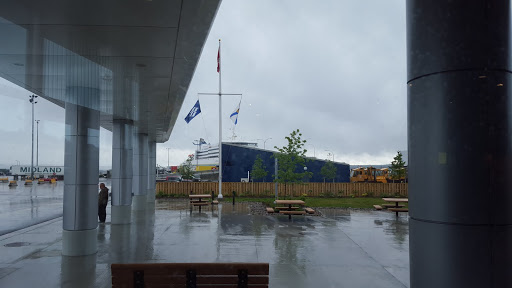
{"x": 290, "y": 209}
{"x": 397, "y": 207}
{"x": 196, "y": 200}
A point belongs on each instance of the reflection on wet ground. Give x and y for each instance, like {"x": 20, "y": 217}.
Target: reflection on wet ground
{"x": 343, "y": 249}
{"x": 25, "y": 205}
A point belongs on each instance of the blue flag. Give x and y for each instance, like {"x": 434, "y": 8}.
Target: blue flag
{"x": 193, "y": 113}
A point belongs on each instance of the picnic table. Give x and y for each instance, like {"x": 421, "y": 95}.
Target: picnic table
{"x": 397, "y": 208}
{"x": 290, "y": 210}
{"x": 197, "y": 200}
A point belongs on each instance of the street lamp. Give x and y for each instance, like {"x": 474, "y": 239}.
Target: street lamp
{"x": 32, "y": 100}
{"x": 305, "y": 170}
{"x": 265, "y": 142}
{"x": 37, "y": 143}
{"x": 314, "y": 152}
{"x": 168, "y": 157}
{"x": 330, "y": 153}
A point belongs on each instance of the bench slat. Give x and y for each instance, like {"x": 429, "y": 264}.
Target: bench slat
{"x": 269, "y": 210}
{"x": 120, "y": 278}
{"x": 292, "y": 212}
{"x": 377, "y": 207}
{"x": 200, "y": 204}
{"x": 309, "y": 210}
{"x": 391, "y": 206}
{"x": 200, "y": 268}
{"x": 286, "y": 208}
{"x": 399, "y": 209}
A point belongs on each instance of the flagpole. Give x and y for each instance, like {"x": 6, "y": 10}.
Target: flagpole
{"x": 220, "y": 127}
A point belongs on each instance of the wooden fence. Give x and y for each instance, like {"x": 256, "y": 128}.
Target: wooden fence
{"x": 260, "y": 189}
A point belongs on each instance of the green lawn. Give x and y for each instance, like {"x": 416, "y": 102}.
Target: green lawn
{"x": 362, "y": 202}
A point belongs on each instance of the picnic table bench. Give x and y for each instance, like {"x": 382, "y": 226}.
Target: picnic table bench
{"x": 397, "y": 208}
{"x": 197, "y": 200}
{"x": 290, "y": 210}
{"x": 190, "y": 275}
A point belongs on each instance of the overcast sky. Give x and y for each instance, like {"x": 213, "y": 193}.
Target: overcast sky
{"x": 336, "y": 70}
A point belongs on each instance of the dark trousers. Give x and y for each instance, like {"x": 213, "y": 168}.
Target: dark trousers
{"x": 102, "y": 212}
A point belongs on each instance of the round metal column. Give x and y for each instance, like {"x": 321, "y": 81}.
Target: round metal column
{"x": 122, "y": 171}
{"x": 151, "y": 172}
{"x": 460, "y": 143}
{"x": 140, "y": 171}
{"x": 81, "y": 163}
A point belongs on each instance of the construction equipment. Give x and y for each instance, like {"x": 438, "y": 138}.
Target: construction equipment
{"x": 383, "y": 175}
{"x": 363, "y": 174}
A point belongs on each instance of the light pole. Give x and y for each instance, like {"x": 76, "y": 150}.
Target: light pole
{"x": 306, "y": 170}
{"x": 330, "y": 153}
{"x": 314, "y": 152}
{"x": 32, "y": 101}
{"x": 265, "y": 142}
{"x": 37, "y": 143}
{"x": 168, "y": 167}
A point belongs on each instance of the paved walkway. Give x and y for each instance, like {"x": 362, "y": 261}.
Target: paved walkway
{"x": 345, "y": 249}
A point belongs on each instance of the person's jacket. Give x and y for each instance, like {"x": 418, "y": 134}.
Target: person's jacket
{"x": 103, "y": 196}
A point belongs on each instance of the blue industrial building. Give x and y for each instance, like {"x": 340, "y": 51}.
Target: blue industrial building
{"x": 237, "y": 160}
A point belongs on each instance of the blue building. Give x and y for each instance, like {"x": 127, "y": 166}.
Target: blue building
{"x": 237, "y": 160}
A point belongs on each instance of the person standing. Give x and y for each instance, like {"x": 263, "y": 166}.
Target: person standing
{"x": 102, "y": 203}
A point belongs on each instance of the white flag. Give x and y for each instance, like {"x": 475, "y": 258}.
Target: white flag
{"x": 234, "y": 115}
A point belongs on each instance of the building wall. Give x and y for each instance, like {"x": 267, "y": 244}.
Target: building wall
{"x": 237, "y": 160}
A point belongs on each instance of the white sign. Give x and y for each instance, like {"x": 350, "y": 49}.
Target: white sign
{"x": 38, "y": 170}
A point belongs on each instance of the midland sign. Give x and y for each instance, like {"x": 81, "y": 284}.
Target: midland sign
{"x": 38, "y": 170}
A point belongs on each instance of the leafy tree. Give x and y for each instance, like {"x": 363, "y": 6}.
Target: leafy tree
{"x": 258, "y": 169}
{"x": 398, "y": 167}
{"x": 186, "y": 169}
{"x": 329, "y": 171}
{"x": 291, "y": 158}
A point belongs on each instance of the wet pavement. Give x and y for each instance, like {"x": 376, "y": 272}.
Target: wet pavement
{"x": 22, "y": 206}
{"x": 344, "y": 249}
{"x": 26, "y": 205}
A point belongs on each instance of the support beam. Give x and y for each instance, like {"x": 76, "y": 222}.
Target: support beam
{"x": 81, "y": 162}
{"x": 122, "y": 171}
{"x": 140, "y": 171}
{"x": 460, "y": 155}
{"x": 151, "y": 171}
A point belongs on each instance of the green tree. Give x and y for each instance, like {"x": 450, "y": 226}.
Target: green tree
{"x": 398, "y": 167}
{"x": 186, "y": 169}
{"x": 258, "y": 169}
{"x": 329, "y": 171}
{"x": 292, "y": 158}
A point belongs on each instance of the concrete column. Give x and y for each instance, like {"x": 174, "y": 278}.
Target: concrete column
{"x": 151, "y": 171}
{"x": 122, "y": 171}
{"x": 81, "y": 170}
{"x": 140, "y": 171}
{"x": 460, "y": 144}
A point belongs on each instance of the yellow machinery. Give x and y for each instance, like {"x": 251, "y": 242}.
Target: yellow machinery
{"x": 383, "y": 175}
{"x": 361, "y": 174}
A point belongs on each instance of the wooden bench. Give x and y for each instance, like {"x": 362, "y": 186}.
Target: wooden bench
{"x": 292, "y": 212}
{"x": 396, "y": 210}
{"x": 391, "y": 206}
{"x": 377, "y": 207}
{"x": 309, "y": 210}
{"x": 188, "y": 275}
{"x": 197, "y": 203}
{"x": 286, "y": 208}
{"x": 269, "y": 210}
